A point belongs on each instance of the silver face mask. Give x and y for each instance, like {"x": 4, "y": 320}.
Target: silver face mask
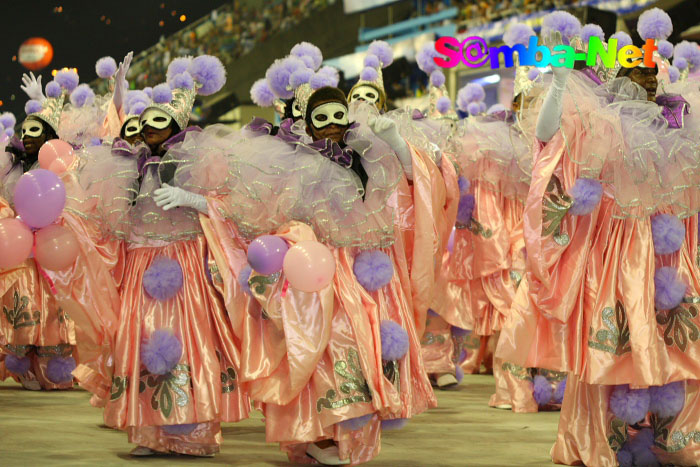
{"x": 155, "y": 118}
{"x": 365, "y": 93}
{"x": 296, "y": 110}
{"x": 328, "y": 114}
{"x": 132, "y": 127}
{"x": 32, "y": 128}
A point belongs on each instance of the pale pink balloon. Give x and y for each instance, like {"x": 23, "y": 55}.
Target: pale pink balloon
{"x": 58, "y": 167}
{"x": 16, "y": 242}
{"x": 55, "y": 149}
{"x": 309, "y": 266}
{"x": 56, "y": 247}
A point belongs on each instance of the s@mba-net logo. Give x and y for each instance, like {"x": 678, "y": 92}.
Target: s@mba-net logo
{"x": 475, "y": 53}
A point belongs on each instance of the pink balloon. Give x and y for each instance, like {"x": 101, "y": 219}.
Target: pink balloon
{"x": 58, "y": 166}
{"x": 16, "y": 242}
{"x": 55, "y": 149}
{"x": 309, "y": 266}
{"x": 266, "y": 254}
{"x": 40, "y": 197}
{"x": 56, "y": 247}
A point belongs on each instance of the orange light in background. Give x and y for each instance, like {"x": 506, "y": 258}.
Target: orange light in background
{"x": 162, "y": 5}
{"x": 54, "y": 72}
{"x": 173, "y": 13}
{"x": 109, "y": 21}
{"x": 14, "y": 58}
{"x": 183, "y": 18}
{"x": 1, "y": 102}
{"x": 103, "y": 17}
{"x": 161, "y": 23}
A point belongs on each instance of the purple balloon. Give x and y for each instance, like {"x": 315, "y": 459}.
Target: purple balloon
{"x": 40, "y": 197}
{"x": 266, "y": 254}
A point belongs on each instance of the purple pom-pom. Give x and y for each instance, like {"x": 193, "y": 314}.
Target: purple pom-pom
{"x": 373, "y": 269}
{"x": 243, "y": 277}
{"x": 307, "y": 49}
{"x": 136, "y": 96}
{"x": 624, "y": 458}
{"x": 668, "y": 233}
{"x": 68, "y": 79}
{"x": 182, "y": 81}
{"x": 465, "y": 209}
{"x": 32, "y": 107}
{"x": 209, "y": 72}
{"x": 629, "y": 405}
{"x": 149, "y": 92}
{"x": 669, "y": 289}
{"x": 106, "y": 67}
{"x": 459, "y": 373}
{"x": 331, "y": 73}
{"x": 383, "y": 52}
{"x": 496, "y": 108}
{"x": 464, "y": 185}
{"x": 301, "y": 76}
{"x": 17, "y": 365}
{"x": 640, "y": 449}
{"x": 473, "y": 92}
{"x": 591, "y": 30}
{"x": 459, "y": 332}
{"x": 308, "y": 61}
{"x": 533, "y": 74}
{"x": 623, "y": 39}
{"x": 95, "y": 141}
{"x": 8, "y": 120}
{"x": 443, "y": 104}
{"x": 654, "y": 24}
{"x": 690, "y": 51}
{"x": 177, "y": 66}
{"x": 369, "y": 74}
{"x": 394, "y": 424}
{"x": 59, "y": 369}
{"x": 542, "y": 390}
{"x": 673, "y": 74}
{"x": 425, "y": 58}
{"x": 482, "y": 107}
{"x": 178, "y": 430}
{"x": 667, "y": 400}
{"x": 665, "y": 48}
{"x": 278, "y": 76}
{"x": 319, "y": 81}
{"x": 437, "y": 78}
{"x": 518, "y": 33}
{"x": 82, "y": 95}
{"x": 394, "y": 340}
{"x": 162, "y": 94}
{"x": 9, "y": 132}
{"x": 53, "y": 89}
{"x": 356, "y": 423}
{"x": 566, "y": 23}
{"x": 161, "y": 352}
{"x": 137, "y": 108}
{"x": 474, "y": 108}
{"x": 586, "y": 194}
{"x": 371, "y": 60}
{"x": 163, "y": 279}
{"x": 261, "y": 94}
{"x": 680, "y": 63}
{"x": 558, "y": 396}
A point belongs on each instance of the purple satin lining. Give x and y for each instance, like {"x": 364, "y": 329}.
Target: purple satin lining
{"x": 674, "y": 108}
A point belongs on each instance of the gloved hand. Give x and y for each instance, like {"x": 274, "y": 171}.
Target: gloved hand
{"x": 386, "y": 130}
{"x": 549, "y": 119}
{"x": 120, "y": 82}
{"x": 32, "y": 86}
{"x": 168, "y": 197}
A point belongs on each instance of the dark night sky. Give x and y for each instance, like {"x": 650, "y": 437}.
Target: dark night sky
{"x": 79, "y": 37}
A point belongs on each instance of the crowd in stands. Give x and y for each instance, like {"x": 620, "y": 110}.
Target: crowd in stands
{"x": 475, "y": 12}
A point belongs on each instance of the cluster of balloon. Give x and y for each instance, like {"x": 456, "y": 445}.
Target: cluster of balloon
{"x": 39, "y": 199}
{"x": 56, "y": 155}
{"x": 308, "y": 266}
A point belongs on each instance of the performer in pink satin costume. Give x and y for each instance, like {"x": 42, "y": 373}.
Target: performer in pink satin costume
{"x": 611, "y": 286}
{"x": 314, "y": 360}
{"x": 176, "y": 361}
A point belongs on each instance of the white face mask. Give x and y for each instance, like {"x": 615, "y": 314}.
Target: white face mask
{"x": 32, "y": 128}
{"x": 365, "y": 93}
{"x": 296, "y": 111}
{"x": 329, "y": 113}
{"x": 132, "y": 127}
{"x": 155, "y": 118}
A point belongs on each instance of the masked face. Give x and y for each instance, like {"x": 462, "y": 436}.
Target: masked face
{"x": 365, "y": 93}
{"x": 33, "y": 136}
{"x": 132, "y": 127}
{"x": 329, "y": 120}
{"x": 296, "y": 110}
{"x": 155, "y": 118}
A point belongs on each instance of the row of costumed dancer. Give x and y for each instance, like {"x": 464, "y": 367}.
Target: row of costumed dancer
{"x": 332, "y": 269}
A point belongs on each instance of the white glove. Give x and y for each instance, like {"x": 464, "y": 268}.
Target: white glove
{"x": 168, "y": 197}
{"x": 549, "y": 119}
{"x": 385, "y": 129}
{"x": 32, "y": 86}
{"x": 120, "y": 81}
